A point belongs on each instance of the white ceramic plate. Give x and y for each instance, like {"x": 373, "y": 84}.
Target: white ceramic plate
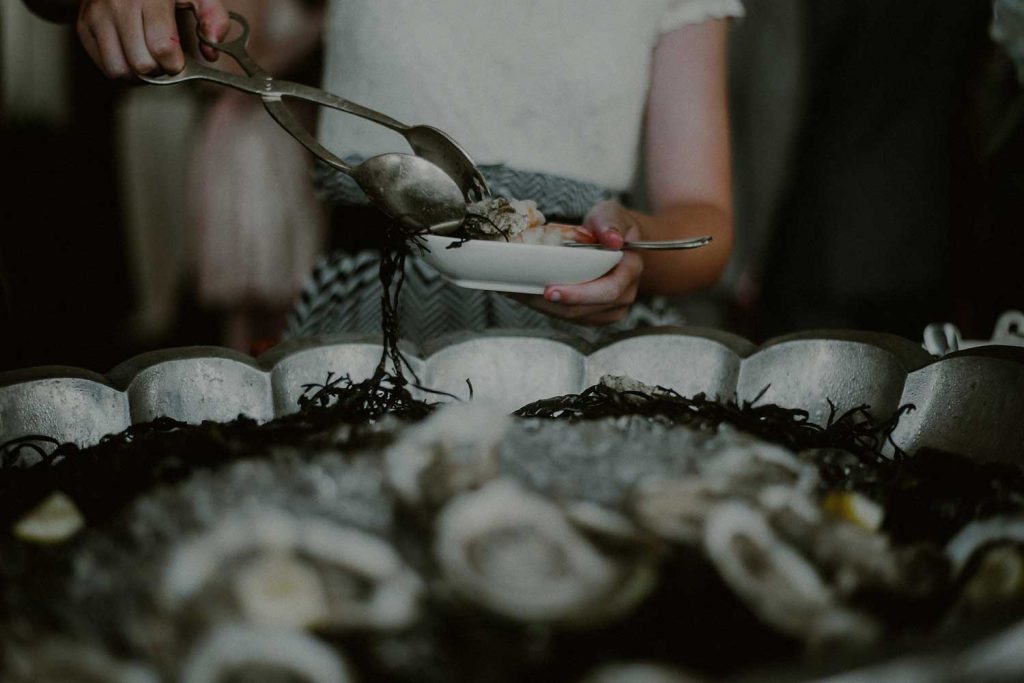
{"x": 513, "y": 267}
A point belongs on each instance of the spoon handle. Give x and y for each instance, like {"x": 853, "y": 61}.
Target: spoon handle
{"x": 692, "y": 243}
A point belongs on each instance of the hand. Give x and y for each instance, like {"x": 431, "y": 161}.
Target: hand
{"x": 607, "y": 299}
{"x": 132, "y": 37}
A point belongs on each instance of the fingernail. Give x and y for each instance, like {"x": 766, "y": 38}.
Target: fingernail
{"x": 555, "y": 296}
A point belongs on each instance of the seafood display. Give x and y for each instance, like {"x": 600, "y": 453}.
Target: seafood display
{"x": 517, "y": 221}
{"x": 625, "y": 534}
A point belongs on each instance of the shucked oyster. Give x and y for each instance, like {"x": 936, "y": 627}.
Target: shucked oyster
{"x": 517, "y": 555}
{"x": 988, "y": 556}
{"x": 676, "y": 509}
{"x": 233, "y": 652}
{"x": 517, "y": 221}
{"x": 505, "y": 217}
{"x": 455, "y": 449}
{"x": 276, "y": 570}
{"x": 779, "y": 585}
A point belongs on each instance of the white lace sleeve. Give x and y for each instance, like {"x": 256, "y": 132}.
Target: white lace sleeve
{"x": 682, "y": 12}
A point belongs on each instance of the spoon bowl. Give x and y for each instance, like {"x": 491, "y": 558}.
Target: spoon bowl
{"x": 438, "y": 147}
{"x": 413, "y": 191}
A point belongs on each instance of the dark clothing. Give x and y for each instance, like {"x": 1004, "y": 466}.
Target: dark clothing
{"x": 863, "y": 234}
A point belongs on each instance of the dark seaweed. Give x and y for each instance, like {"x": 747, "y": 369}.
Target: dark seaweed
{"x": 855, "y": 431}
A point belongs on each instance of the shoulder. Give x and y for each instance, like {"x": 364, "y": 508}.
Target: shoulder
{"x": 679, "y": 13}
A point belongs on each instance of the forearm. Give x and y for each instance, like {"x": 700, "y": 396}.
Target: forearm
{"x": 673, "y": 273}
{"x": 62, "y": 11}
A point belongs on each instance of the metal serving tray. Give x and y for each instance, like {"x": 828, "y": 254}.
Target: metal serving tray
{"x": 969, "y": 401}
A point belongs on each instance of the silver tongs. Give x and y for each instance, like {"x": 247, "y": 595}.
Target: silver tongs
{"x": 427, "y": 191}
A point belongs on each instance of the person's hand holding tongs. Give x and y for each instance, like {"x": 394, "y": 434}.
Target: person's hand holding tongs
{"x": 427, "y": 190}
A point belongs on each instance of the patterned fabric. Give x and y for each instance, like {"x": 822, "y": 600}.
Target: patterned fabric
{"x": 344, "y": 292}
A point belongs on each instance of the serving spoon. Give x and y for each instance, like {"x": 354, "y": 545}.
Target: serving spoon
{"x": 424, "y": 192}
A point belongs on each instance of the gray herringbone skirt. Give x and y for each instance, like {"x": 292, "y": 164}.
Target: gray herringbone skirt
{"x": 343, "y": 294}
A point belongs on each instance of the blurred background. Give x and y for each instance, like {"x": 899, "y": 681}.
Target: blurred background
{"x": 879, "y": 173}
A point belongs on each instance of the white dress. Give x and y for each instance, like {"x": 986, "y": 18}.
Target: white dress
{"x": 548, "y": 96}
{"x": 554, "y": 86}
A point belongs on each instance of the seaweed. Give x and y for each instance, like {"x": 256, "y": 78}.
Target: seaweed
{"x": 855, "y": 430}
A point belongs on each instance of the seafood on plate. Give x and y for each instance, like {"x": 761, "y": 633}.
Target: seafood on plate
{"x": 519, "y": 221}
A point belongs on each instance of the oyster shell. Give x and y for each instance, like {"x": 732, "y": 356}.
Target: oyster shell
{"x": 507, "y": 217}
{"x": 976, "y": 535}
{"x": 515, "y": 554}
{"x": 998, "y": 576}
{"x": 756, "y": 464}
{"x": 248, "y": 653}
{"x": 455, "y": 449}
{"x": 849, "y": 556}
{"x": 676, "y": 509}
{"x": 55, "y": 520}
{"x": 779, "y": 585}
{"x": 325, "y": 573}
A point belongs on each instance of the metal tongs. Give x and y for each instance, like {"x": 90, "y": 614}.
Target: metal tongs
{"x": 427, "y": 191}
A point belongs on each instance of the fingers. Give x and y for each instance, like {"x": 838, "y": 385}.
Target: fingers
{"x": 107, "y": 54}
{"x": 133, "y": 42}
{"x": 617, "y": 287}
{"x": 609, "y": 223}
{"x": 137, "y": 37}
{"x": 214, "y": 23}
{"x": 602, "y": 314}
{"x": 161, "y": 36}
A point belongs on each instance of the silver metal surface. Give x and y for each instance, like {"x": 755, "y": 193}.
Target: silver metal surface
{"x": 196, "y": 389}
{"x": 66, "y": 404}
{"x": 968, "y": 402}
{"x": 656, "y": 245}
{"x": 944, "y": 338}
{"x": 419, "y": 191}
{"x": 691, "y": 362}
{"x": 506, "y": 371}
{"x": 809, "y": 373}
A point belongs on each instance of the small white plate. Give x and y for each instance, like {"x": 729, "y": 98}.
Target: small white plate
{"x": 514, "y": 267}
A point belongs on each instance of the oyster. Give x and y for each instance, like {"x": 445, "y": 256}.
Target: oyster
{"x": 988, "y": 557}
{"x": 289, "y": 571}
{"x": 976, "y": 535}
{"x": 755, "y": 464}
{"x": 55, "y": 520}
{"x": 453, "y": 450}
{"x": 676, "y": 509}
{"x": 516, "y": 554}
{"x": 779, "y": 585}
{"x": 506, "y": 217}
{"x": 856, "y": 508}
{"x": 849, "y": 556}
{"x": 276, "y": 589}
{"x": 234, "y": 652}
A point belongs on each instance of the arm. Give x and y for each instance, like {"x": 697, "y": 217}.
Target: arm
{"x": 688, "y": 159}
{"x": 129, "y": 37}
{"x": 689, "y": 181}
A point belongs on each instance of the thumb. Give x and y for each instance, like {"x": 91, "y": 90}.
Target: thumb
{"x": 607, "y": 222}
{"x": 214, "y": 23}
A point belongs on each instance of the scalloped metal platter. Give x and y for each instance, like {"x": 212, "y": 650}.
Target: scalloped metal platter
{"x": 968, "y": 402}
